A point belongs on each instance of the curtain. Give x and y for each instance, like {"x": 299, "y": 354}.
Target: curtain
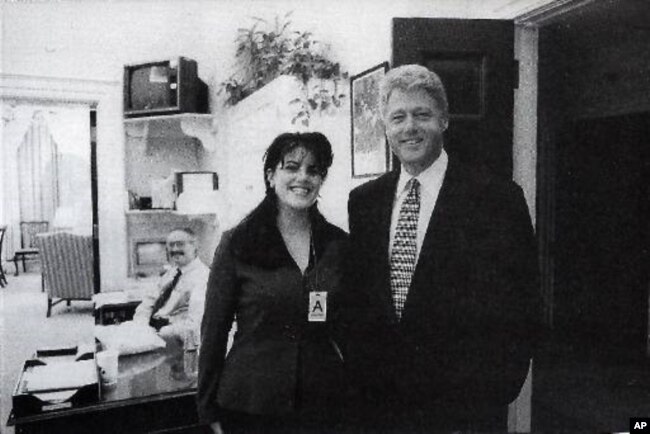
{"x": 38, "y": 177}
{"x": 29, "y": 134}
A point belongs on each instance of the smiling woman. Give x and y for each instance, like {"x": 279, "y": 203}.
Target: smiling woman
{"x": 295, "y": 181}
{"x": 297, "y": 177}
{"x": 278, "y": 272}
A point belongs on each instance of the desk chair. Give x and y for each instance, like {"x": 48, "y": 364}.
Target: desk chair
{"x": 28, "y": 249}
{"x": 67, "y": 264}
{"x": 3, "y": 277}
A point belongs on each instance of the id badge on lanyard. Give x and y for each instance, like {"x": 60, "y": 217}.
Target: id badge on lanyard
{"x": 317, "y": 306}
{"x": 317, "y": 299}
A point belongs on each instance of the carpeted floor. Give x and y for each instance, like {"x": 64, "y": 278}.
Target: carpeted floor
{"x": 569, "y": 394}
{"x": 24, "y": 328}
{"x": 575, "y": 393}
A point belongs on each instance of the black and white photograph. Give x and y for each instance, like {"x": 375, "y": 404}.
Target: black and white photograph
{"x": 324, "y": 216}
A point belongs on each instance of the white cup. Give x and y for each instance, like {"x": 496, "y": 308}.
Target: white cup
{"x": 107, "y": 363}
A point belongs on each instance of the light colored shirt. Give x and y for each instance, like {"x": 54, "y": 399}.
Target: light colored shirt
{"x": 184, "y": 308}
{"x": 430, "y": 183}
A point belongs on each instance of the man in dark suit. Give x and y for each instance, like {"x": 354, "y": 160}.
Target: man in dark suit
{"x": 443, "y": 277}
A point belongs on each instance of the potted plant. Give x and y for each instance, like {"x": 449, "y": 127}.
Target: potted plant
{"x": 264, "y": 54}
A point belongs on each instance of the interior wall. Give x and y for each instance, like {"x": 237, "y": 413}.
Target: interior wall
{"x": 157, "y": 159}
{"x": 610, "y": 72}
{"x": 594, "y": 67}
{"x": 95, "y": 39}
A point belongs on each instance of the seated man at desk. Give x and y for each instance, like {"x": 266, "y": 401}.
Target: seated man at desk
{"x": 176, "y": 303}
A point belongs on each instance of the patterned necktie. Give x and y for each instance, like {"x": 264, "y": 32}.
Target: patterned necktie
{"x": 404, "y": 250}
{"x": 166, "y": 293}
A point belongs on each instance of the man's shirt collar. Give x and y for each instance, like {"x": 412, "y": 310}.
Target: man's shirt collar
{"x": 429, "y": 178}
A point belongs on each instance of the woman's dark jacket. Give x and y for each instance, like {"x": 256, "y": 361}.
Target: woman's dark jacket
{"x": 279, "y": 363}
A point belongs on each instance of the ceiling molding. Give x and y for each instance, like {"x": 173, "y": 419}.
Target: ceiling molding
{"x": 42, "y": 88}
{"x": 519, "y": 7}
{"x": 549, "y": 12}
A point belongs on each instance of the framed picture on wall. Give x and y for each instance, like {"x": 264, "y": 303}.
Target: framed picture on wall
{"x": 370, "y": 152}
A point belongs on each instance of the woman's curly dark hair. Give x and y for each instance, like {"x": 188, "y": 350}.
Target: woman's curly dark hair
{"x": 313, "y": 142}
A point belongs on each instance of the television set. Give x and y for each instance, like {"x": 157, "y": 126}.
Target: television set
{"x": 164, "y": 87}
{"x": 149, "y": 256}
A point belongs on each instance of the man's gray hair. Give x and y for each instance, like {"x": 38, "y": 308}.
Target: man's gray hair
{"x": 412, "y": 77}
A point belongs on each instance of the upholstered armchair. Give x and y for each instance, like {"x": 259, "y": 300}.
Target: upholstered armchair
{"x": 67, "y": 264}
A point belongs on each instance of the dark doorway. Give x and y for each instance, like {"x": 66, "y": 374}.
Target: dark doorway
{"x": 602, "y": 218}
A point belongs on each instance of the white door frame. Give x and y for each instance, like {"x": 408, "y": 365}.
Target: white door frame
{"x": 106, "y": 98}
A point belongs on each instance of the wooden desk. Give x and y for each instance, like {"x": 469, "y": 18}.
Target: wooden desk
{"x": 153, "y": 394}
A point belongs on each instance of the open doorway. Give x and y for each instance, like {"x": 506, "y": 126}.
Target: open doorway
{"x": 49, "y": 171}
{"x": 592, "y": 200}
{"x": 593, "y": 211}
{"x": 602, "y": 214}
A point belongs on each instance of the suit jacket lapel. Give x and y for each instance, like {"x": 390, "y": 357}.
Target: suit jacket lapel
{"x": 383, "y": 208}
{"x": 451, "y": 206}
{"x": 443, "y": 232}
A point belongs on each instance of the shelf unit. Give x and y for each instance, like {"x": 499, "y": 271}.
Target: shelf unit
{"x": 200, "y": 126}
{"x": 155, "y": 146}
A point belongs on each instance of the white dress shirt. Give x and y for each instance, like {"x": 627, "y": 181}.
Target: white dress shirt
{"x": 430, "y": 183}
{"x": 184, "y": 308}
